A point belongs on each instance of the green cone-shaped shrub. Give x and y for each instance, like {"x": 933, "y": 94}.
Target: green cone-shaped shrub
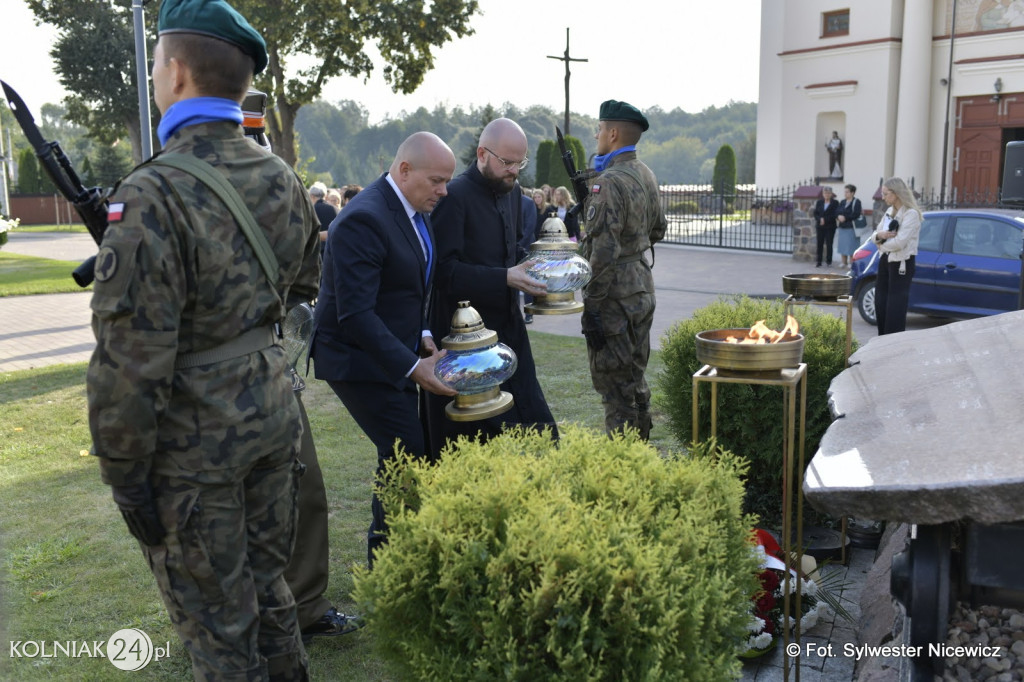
{"x": 750, "y": 417}
{"x": 596, "y": 560}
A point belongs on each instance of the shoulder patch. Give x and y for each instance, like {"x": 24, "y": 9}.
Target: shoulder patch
{"x": 106, "y": 264}
{"x": 115, "y": 212}
{"x": 591, "y": 211}
{"x": 596, "y": 189}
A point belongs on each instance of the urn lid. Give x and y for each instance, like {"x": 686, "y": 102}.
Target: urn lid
{"x": 553, "y": 237}
{"x": 468, "y": 331}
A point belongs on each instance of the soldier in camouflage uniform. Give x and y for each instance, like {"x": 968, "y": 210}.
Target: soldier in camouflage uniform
{"x": 191, "y": 407}
{"x": 623, "y": 219}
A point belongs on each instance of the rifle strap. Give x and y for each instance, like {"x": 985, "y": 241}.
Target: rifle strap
{"x": 260, "y": 337}
{"x": 206, "y": 174}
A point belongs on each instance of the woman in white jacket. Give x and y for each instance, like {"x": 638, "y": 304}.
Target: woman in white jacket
{"x": 897, "y": 238}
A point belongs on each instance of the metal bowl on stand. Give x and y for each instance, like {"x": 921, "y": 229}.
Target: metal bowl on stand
{"x": 817, "y": 286}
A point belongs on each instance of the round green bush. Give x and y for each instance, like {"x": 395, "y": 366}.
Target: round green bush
{"x": 597, "y": 559}
{"x": 750, "y": 417}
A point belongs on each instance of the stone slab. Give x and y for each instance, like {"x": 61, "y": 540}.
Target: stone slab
{"x": 929, "y": 427}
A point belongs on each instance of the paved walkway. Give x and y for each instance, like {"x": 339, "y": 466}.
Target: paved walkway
{"x": 41, "y": 330}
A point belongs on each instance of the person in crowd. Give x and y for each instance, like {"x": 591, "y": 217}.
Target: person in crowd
{"x": 191, "y": 408}
{"x": 334, "y": 199}
{"x": 544, "y": 209}
{"x": 624, "y": 219}
{"x": 350, "y": 191}
{"x": 325, "y": 213}
{"x": 368, "y": 339}
{"x": 897, "y": 237}
{"x": 479, "y": 227}
{"x": 849, "y": 214}
{"x": 563, "y": 203}
{"x": 826, "y": 210}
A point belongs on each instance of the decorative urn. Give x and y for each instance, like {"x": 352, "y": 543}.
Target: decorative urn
{"x": 557, "y": 264}
{"x": 475, "y": 365}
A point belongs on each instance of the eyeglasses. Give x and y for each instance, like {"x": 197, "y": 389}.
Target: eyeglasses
{"x": 509, "y": 165}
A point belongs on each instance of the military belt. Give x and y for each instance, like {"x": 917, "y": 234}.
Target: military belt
{"x": 249, "y": 342}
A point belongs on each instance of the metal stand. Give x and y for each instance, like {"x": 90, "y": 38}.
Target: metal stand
{"x": 847, "y": 302}
{"x": 793, "y": 382}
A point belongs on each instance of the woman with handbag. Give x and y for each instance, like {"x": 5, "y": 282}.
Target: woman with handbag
{"x": 850, "y": 218}
{"x": 897, "y": 239}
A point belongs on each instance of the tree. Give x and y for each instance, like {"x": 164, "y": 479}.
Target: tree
{"x": 746, "y": 156}
{"x": 543, "y": 158}
{"x": 724, "y": 181}
{"x": 488, "y": 115}
{"x": 30, "y": 175}
{"x": 676, "y": 161}
{"x": 95, "y": 57}
{"x": 558, "y": 176}
{"x": 334, "y": 35}
{"x": 112, "y": 163}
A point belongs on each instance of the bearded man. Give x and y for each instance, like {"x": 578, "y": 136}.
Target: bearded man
{"x": 479, "y": 227}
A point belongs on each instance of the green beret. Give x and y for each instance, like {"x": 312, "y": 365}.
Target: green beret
{"x": 216, "y": 19}
{"x": 614, "y": 110}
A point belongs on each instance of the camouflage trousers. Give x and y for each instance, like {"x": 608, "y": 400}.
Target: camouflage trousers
{"x": 220, "y": 570}
{"x": 617, "y": 370}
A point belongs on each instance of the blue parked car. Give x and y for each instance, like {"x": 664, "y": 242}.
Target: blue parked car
{"x": 968, "y": 265}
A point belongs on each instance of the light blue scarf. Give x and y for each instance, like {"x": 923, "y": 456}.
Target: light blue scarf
{"x": 601, "y": 162}
{"x": 189, "y": 112}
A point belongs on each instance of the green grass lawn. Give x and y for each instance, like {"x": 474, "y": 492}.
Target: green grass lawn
{"x": 23, "y": 275}
{"x": 53, "y": 228}
{"x": 69, "y": 570}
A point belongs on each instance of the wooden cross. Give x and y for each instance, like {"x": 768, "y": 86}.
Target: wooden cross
{"x": 566, "y": 58}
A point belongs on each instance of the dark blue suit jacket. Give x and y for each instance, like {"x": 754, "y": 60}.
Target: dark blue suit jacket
{"x": 372, "y": 307}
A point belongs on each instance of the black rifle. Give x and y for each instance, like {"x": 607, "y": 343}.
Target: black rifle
{"x": 578, "y": 178}
{"x": 91, "y": 203}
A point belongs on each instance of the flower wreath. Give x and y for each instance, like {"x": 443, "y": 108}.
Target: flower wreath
{"x": 767, "y": 618}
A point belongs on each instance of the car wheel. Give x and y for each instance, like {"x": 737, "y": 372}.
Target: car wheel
{"x": 866, "y": 302}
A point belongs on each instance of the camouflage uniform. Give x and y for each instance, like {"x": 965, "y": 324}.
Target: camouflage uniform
{"x": 624, "y": 218}
{"x": 217, "y": 442}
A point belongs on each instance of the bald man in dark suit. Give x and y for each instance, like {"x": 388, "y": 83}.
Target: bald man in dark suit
{"x": 371, "y": 342}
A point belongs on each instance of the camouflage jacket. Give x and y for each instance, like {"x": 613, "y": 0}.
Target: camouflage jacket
{"x": 624, "y": 218}
{"x": 175, "y": 274}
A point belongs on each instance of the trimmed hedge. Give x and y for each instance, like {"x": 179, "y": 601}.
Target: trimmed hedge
{"x": 596, "y": 560}
{"x": 750, "y": 417}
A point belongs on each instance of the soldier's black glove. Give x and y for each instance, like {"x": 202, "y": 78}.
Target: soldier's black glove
{"x": 139, "y": 513}
{"x": 593, "y": 330}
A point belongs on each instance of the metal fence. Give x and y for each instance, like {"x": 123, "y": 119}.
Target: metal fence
{"x": 957, "y": 198}
{"x": 750, "y": 219}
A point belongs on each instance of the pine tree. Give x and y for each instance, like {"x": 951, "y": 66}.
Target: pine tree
{"x": 724, "y": 181}
{"x": 543, "y": 170}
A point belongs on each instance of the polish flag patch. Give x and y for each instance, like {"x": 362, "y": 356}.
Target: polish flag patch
{"x": 115, "y": 212}
{"x": 596, "y": 189}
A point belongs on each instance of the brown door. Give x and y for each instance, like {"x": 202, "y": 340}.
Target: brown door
{"x": 977, "y": 172}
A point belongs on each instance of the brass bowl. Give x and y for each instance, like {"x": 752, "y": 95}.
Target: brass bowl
{"x": 714, "y": 350}
{"x": 823, "y": 286}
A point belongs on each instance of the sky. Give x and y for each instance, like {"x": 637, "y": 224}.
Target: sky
{"x": 665, "y": 53}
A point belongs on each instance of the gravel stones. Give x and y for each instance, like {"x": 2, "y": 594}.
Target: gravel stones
{"x": 986, "y": 626}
